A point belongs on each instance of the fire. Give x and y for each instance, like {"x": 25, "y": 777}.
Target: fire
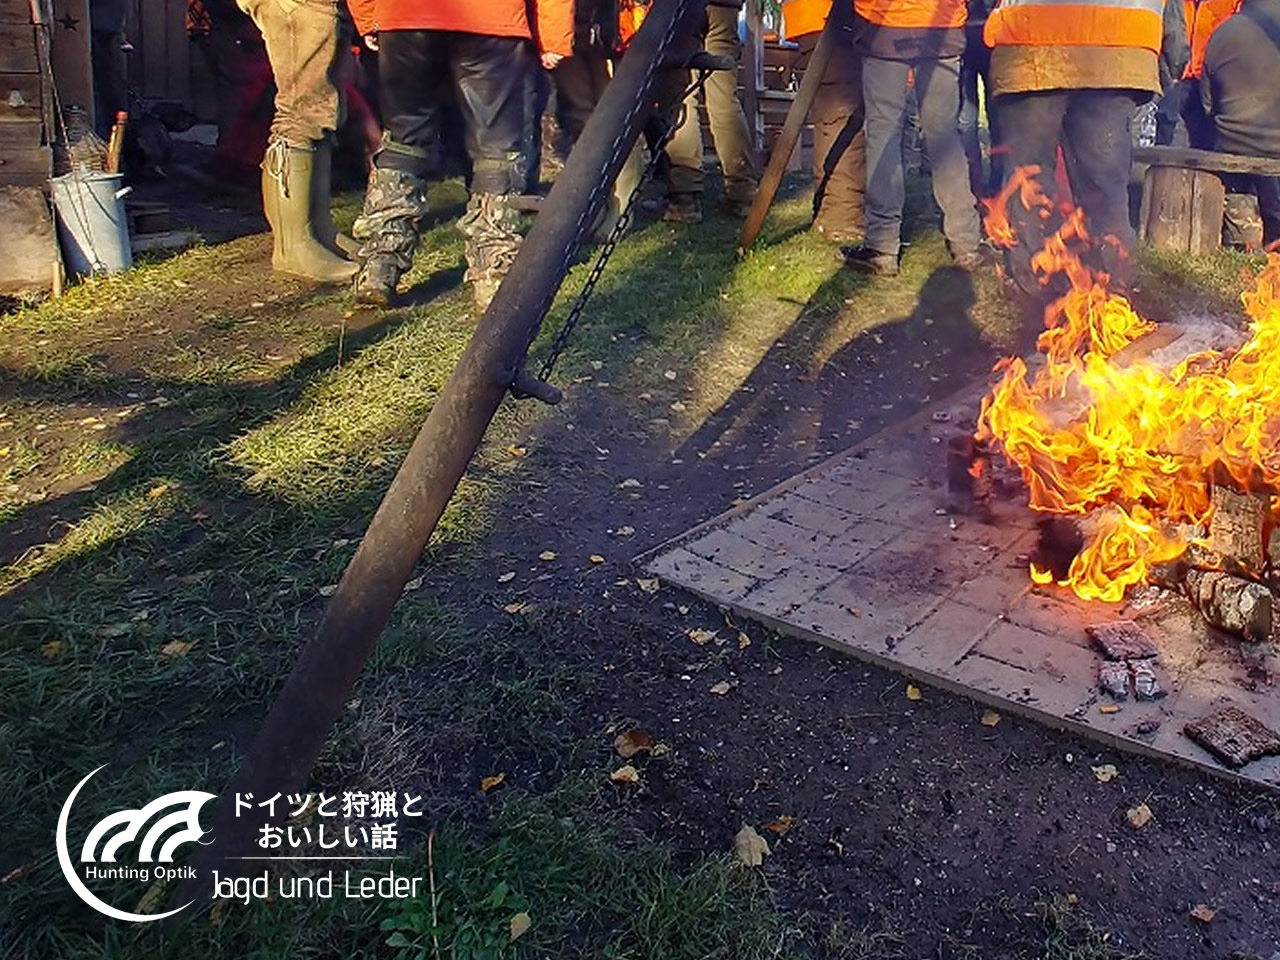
{"x": 1128, "y": 444}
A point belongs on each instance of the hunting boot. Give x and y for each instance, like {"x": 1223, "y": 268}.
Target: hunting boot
{"x": 287, "y": 173}
{"x": 492, "y": 228}
{"x": 387, "y": 231}
{"x": 322, "y": 203}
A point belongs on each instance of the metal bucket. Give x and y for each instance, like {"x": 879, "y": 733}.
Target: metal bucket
{"x": 92, "y": 224}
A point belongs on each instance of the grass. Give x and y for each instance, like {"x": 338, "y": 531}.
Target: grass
{"x": 265, "y": 422}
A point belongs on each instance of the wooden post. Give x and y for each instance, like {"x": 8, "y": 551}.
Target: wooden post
{"x": 1182, "y": 209}
{"x": 753, "y": 74}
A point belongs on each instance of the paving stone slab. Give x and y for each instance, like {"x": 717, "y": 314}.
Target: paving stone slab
{"x": 866, "y": 553}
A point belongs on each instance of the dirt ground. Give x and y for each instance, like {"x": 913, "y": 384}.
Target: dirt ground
{"x": 910, "y": 819}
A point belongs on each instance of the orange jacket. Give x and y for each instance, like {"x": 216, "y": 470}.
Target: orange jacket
{"x": 1203, "y": 18}
{"x": 909, "y": 29}
{"x": 552, "y": 27}
{"x": 1083, "y": 23}
{"x": 805, "y": 16}
{"x": 913, "y": 14}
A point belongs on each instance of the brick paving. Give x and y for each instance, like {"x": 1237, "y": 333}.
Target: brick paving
{"x": 865, "y": 553}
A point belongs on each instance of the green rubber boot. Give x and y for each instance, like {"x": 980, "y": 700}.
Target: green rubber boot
{"x": 322, "y": 203}
{"x": 287, "y": 175}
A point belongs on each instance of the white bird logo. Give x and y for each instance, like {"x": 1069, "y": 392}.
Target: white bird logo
{"x": 129, "y": 823}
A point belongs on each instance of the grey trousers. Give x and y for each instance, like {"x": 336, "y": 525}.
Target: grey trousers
{"x": 884, "y": 91}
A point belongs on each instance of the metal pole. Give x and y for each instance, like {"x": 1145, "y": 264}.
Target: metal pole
{"x": 790, "y": 135}
{"x": 299, "y": 721}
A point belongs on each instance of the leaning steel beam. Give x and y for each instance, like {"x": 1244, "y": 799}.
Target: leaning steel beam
{"x": 785, "y": 145}
{"x": 298, "y": 723}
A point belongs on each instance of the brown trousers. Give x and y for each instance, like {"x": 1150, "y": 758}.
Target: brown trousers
{"x": 839, "y": 142}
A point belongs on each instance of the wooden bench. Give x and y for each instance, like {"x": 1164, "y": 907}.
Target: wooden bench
{"x": 1183, "y": 195}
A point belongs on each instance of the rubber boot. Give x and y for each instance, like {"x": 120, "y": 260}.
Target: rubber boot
{"x": 322, "y": 203}
{"x": 287, "y": 174}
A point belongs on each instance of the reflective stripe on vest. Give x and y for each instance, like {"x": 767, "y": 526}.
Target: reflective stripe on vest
{"x": 1101, "y": 23}
{"x": 913, "y": 14}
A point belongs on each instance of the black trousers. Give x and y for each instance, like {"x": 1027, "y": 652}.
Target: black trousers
{"x": 420, "y": 71}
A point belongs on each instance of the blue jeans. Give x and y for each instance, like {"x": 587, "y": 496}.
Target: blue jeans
{"x": 884, "y": 91}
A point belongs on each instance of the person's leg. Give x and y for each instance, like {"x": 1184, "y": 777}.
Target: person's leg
{"x": 970, "y": 71}
{"x": 839, "y": 145}
{"x": 1267, "y": 190}
{"x": 729, "y": 127}
{"x": 1098, "y": 146}
{"x": 938, "y": 88}
{"x": 303, "y": 45}
{"x": 1031, "y": 125}
{"x": 411, "y": 82}
{"x": 884, "y": 91}
{"x": 490, "y": 73}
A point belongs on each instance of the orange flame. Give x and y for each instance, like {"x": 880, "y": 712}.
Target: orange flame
{"x": 1129, "y": 444}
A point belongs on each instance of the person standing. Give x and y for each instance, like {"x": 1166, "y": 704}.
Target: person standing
{"x": 839, "y": 145}
{"x": 304, "y": 43}
{"x": 1241, "y": 97}
{"x": 482, "y": 54}
{"x": 729, "y": 129}
{"x": 975, "y": 95}
{"x": 899, "y": 39}
{"x": 1073, "y": 76}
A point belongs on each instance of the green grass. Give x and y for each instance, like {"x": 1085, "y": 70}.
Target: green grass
{"x": 222, "y": 513}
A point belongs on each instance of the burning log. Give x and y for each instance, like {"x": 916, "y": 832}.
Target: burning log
{"x": 1237, "y": 528}
{"x": 1232, "y": 603}
{"x": 969, "y": 476}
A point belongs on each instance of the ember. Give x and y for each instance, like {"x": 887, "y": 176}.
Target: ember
{"x": 1132, "y": 449}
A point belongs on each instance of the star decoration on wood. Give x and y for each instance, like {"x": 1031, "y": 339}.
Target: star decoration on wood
{"x": 68, "y": 22}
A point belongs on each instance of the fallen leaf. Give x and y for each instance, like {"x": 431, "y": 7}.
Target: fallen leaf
{"x": 1072, "y": 899}
{"x": 659, "y": 750}
{"x": 625, "y": 531}
{"x": 990, "y": 718}
{"x": 749, "y": 847}
{"x": 629, "y": 484}
{"x": 329, "y": 590}
{"x": 633, "y": 741}
{"x": 596, "y": 558}
{"x": 913, "y": 692}
{"x": 743, "y": 640}
{"x": 153, "y": 899}
{"x": 516, "y": 450}
{"x": 514, "y": 607}
{"x": 156, "y": 492}
{"x": 175, "y": 649}
{"x": 547, "y": 555}
{"x": 701, "y": 637}
{"x": 721, "y": 688}
{"x": 506, "y": 577}
{"x": 682, "y": 610}
{"x": 51, "y": 650}
{"x": 17, "y": 872}
{"x": 218, "y": 913}
{"x": 1139, "y": 816}
{"x": 648, "y": 586}
{"x": 112, "y": 630}
{"x": 488, "y": 783}
{"x": 520, "y": 924}
{"x": 1203, "y": 912}
{"x": 625, "y": 774}
{"x": 1109, "y": 708}
{"x": 1106, "y": 773}
{"x": 781, "y": 825}
{"x": 414, "y": 584}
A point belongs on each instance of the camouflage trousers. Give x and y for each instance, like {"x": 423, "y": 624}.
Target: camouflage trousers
{"x": 492, "y": 229}
{"x": 388, "y": 226}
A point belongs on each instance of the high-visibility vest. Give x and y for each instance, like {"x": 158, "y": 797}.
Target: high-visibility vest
{"x": 1202, "y": 19}
{"x": 1093, "y": 23}
{"x": 804, "y": 16}
{"x": 913, "y": 14}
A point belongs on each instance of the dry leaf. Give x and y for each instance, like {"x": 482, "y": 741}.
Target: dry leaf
{"x": 51, "y": 650}
{"x": 625, "y": 774}
{"x": 629, "y": 484}
{"x": 153, "y": 899}
{"x": 721, "y": 688}
{"x": 1139, "y": 816}
{"x": 990, "y": 718}
{"x": 648, "y": 586}
{"x": 414, "y": 584}
{"x": 17, "y": 872}
{"x": 547, "y": 555}
{"x": 329, "y": 590}
{"x": 520, "y": 924}
{"x": 743, "y": 640}
{"x": 913, "y": 692}
{"x": 156, "y": 492}
{"x": 659, "y": 750}
{"x": 781, "y": 825}
{"x": 514, "y": 607}
{"x": 1106, "y": 773}
{"x": 1109, "y": 708}
{"x": 516, "y": 450}
{"x": 631, "y": 742}
{"x": 701, "y": 637}
{"x": 175, "y": 649}
{"x": 625, "y": 531}
{"x": 113, "y": 630}
{"x": 506, "y": 577}
{"x": 596, "y": 558}
{"x": 488, "y": 783}
{"x": 1203, "y": 912}
{"x": 218, "y": 913}
{"x": 749, "y": 847}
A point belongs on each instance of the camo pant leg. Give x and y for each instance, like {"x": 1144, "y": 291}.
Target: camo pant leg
{"x": 492, "y": 229}
{"x": 387, "y": 227}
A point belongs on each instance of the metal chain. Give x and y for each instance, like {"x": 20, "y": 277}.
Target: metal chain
{"x": 561, "y": 340}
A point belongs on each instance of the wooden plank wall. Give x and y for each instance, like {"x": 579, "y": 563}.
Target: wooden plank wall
{"x": 24, "y": 161}
{"x": 165, "y": 64}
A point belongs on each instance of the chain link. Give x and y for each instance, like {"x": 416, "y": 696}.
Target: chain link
{"x": 561, "y": 340}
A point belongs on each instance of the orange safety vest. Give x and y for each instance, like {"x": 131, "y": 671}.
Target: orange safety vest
{"x": 631, "y": 14}
{"x": 913, "y": 14}
{"x": 1203, "y": 18}
{"x": 1090, "y": 23}
{"x": 806, "y": 16}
